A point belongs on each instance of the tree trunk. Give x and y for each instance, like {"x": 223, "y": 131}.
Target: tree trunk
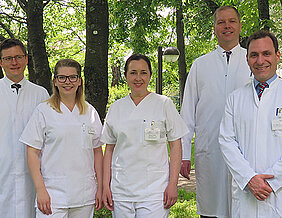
{"x": 116, "y": 73}
{"x": 182, "y": 72}
{"x": 96, "y": 58}
{"x": 263, "y": 8}
{"x": 30, "y": 66}
{"x": 37, "y": 45}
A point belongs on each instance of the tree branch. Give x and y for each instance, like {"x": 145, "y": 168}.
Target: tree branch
{"x": 23, "y": 5}
{"x": 7, "y": 30}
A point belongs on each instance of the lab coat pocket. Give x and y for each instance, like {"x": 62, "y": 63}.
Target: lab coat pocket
{"x": 154, "y": 132}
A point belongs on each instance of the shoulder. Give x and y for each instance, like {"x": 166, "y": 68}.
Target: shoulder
{"x": 120, "y": 101}
{"x": 33, "y": 86}
{"x": 242, "y": 91}
{"x": 91, "y": 108}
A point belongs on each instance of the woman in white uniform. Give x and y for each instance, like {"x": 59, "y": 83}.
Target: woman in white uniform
{"x": 138, "y": 179}
{"x": 61, "y": 136}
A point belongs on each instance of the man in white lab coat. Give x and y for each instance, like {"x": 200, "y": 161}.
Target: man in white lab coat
{"x": 18, "y": 99}
{"x": 211, "y": 78}
{"x": 251, "y": 134}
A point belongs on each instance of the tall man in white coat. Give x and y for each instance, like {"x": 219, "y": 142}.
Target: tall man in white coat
{"x": 18, "y": 99}
{"x": 211, "y": 78}
{"x": 251, "y": 134}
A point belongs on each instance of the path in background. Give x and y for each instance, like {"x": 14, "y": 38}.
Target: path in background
{"x": 188, "y": 185}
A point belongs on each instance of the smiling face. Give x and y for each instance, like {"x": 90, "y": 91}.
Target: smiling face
{"x": 138, "y": 77}
{"x": 67, "y": 89}
{"x": 14, "y": 69}
{"x": 262, "y": 58}
{"x": 227, "y": 27}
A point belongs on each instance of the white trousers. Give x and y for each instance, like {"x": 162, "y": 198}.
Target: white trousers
{"x": 146, "y": 209}
{"x": 75, "y": 212}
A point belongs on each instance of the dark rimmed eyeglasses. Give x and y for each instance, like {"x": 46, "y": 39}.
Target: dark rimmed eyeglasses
{"x": 10, "y": 58}
{"x": 63, "y": 78}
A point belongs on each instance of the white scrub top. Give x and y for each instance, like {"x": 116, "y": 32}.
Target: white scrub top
{"x": 251, "y": 146}
{"x": 66, "y": 141}
{"x": 140, "y": 168}
{"x": 209, "y": 82}
{"x": 17, "y": 192}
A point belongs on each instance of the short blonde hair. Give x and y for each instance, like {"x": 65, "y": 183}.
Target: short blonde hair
{"x": 55, "y": 99}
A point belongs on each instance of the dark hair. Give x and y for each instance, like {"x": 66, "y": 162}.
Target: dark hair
{"x": 9, "y": 43}
{"x": 262, "y": 34}
{"x": 225, "y": 7}
{"x": 137, "y": 57}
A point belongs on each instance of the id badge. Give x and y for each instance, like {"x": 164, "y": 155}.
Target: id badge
{"x": 277, "y": 124}
{"x": 91, "y": 130}
{"x": 152, "y": 134}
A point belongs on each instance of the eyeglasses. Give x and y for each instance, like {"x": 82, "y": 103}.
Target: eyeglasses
{"x": 18, "y": 58}
{"x": 63, "y": 78}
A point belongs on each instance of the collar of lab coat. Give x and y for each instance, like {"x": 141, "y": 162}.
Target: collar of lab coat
{"x": 9, "y": 82}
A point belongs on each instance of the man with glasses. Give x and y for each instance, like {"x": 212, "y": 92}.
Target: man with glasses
{"x": 18, "y": 99}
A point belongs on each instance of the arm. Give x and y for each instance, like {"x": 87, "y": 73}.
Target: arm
{"x": 188, "y": 111}
{"x": 98, "y": 165}
{"x": 43, "y": 198}
{"x": 239, "y": 167}
{"x": 107, "y": 194}
{"x": 170, "y": 194}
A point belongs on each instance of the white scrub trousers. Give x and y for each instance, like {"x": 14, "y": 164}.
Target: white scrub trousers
{"x": 146, "y": 209}
{"x": 75, "y": 212}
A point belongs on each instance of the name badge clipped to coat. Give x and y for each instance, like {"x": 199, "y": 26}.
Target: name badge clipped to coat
{"x": 152, "y": 133}
{"x": 89, "y": 129}
{"x": 277, "y": 122}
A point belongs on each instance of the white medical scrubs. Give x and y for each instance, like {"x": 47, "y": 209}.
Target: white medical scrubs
{"x": 140, "y": 168}
{"x": 17, "y": 192}
{"x": 209, "y": 82}
{"x": 66, "y": 141}
{"x": 251, "y": 145}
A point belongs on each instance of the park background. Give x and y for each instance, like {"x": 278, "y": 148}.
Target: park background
{"x": 101, "y": 34}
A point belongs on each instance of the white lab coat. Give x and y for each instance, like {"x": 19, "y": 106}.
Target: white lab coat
{"x": 16, "y": 191}
{"x": 208, "y": 84}
{"x": 140, "y": 168}
{"x": 250, "y": 147}
{"x": 66, "y": 141}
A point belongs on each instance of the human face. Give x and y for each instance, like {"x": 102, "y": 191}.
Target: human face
{"x": 262, "y": 58}
{"x": 14, "y": 69}
{"x": 67, "y": 88}
{"x": 138, "y": 77}
{"x": 227, "y": 28}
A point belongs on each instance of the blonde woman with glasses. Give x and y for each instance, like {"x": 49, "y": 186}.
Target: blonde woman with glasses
{"x": 63, "y": 149}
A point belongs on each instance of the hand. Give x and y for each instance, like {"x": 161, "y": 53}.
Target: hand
{"x": 44, "y": 201}
{"x": 107, "y": 199}
{"x": 98, "y": 200}
{"x": 170, "y": 196}
{"x": 260, "y": 187}
{"x": 185, "y": 168}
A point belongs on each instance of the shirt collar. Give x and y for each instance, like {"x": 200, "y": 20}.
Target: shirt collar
{"x": 10, "y": 82}
{"x": 268, "y": 81}
{"x": 234, "y": 49}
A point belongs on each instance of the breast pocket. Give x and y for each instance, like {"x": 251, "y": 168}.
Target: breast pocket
{"x": 154, "y": 132}
{"x": 88, "y": 135}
